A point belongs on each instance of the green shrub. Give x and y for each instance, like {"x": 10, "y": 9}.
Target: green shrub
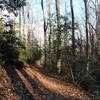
{"x": 9, "y": 46}
{"x": 33, "y": 55}
{"x": 97, "y": 96}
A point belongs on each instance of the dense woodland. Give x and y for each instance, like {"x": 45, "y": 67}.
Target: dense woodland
{"x": 68, "y": 53}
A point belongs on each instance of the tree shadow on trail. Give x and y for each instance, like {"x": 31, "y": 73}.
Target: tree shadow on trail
{"x": 20, "y": 76}
{"x": 44, "y": 93}
{"x": 18, "y": 86}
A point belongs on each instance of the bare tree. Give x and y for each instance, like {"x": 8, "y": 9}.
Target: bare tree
{"x": 45, "y": 33}
{"x": 49, "y": 29}
{"x": 73, "y": 39}
{"x": 57, "y": 2}
{"x": 73, "y": 30}
{"x": 87, "y": 34}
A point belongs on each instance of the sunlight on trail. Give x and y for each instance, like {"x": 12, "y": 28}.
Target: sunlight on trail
{"x": 28, "y": 85}
{"x": 55, "y": 85}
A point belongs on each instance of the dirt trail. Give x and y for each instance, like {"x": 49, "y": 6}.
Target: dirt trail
{"x": 31, "y": 83}
{"x": 28, "y": 85}
{"x": 56, "y": 86}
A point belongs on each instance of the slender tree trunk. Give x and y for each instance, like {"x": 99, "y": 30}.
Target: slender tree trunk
{"x": 23, "y": 20}
{"x": 73, "y": 40}
{"x": 73, "y": 30}
{"x": 20, "y": 24}
{"x": 0, "y": 13}
{"x": 87, "y": 34}
{"x": 58, "y": 31}
{"x": 49, "y": 31}
{"x": 45, "y": 38}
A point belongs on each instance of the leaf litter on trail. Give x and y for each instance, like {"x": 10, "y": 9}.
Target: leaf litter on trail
{"x": 41, "y": 86}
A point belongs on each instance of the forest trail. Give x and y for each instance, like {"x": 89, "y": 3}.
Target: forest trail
{"x": 30, "y": 82}
{"x": 55, "y": 85}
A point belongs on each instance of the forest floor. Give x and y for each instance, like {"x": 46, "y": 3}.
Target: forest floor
{"x": 30, "y": 83}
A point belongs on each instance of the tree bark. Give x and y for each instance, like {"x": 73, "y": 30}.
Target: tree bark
{"x": 58, "y": 29}
{"x": 87, "y": 35}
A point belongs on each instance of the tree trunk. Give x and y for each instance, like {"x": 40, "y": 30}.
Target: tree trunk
{"x": 87, "y": 38}
{"x": 45, "y": 37}
{"x": 58, "y": 30}
{"x": 73, "y": 39}
{"x": 73, "y": 30}
{"x": 49, "y": 31}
